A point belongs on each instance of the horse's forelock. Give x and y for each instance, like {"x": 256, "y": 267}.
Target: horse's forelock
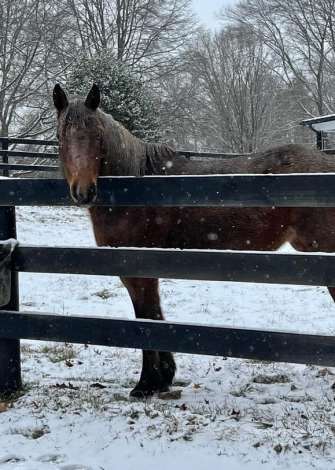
{"x": 78, "y": 115}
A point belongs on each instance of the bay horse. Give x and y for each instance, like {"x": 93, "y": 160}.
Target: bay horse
{"x": 92, "y": 144}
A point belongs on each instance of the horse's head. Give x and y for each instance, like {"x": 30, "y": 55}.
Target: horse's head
{"x": 80, "y": 136}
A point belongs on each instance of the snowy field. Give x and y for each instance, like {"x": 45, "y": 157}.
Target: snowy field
{"x": 75, "y": 413}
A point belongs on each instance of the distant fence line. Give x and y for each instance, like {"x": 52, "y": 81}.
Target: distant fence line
{"x": 5, "y": 153}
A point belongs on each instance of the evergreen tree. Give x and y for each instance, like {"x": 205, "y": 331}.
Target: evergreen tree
{"x": 123, "y": 94}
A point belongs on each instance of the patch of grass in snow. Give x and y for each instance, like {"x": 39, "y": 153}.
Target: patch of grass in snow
{"x": 59, "y": 352}
{"x": 310, "y": 427}
{"x": 65, "y": 397}
{"x": 181, "y": 383}
{"x": 105, "y": 294}
{"x": 120, "y": 397}
{"x": 26, "y": 351}
{"x": 15, "y": 396}
{"x": 228, "y": 434}
{"x": 31, "y": 432}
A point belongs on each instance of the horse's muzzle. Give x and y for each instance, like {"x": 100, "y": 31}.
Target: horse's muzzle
{"x": 83, "y": 196}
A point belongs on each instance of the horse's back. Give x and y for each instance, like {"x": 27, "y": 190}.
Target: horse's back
{"x": 292, "y": 158}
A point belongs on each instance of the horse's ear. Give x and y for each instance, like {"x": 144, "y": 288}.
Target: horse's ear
{"x": 92, "y": 100}
{"x": 60, "y": 99}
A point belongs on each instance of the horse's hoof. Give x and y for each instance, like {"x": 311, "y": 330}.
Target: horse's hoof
{"x": 141, "y": 393}
{"x": 164, "y": 388}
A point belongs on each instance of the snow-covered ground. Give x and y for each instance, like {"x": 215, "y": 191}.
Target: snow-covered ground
{"x": 75, "y": 413}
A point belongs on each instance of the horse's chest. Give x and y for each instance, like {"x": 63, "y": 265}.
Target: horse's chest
{"x": 123, "y": 226}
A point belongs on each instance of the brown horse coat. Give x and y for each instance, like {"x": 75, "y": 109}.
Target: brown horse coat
{"x": 92, "y": 143}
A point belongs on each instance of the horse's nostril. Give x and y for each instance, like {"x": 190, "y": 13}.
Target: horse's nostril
{"x": 84, "y": 195}
{"x": 74, "y": 192}
{"x": 93, "y": 192}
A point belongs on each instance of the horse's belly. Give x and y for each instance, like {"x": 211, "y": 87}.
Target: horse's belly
{"x": 233, "y": 228}
{"x": 192, "y": 227}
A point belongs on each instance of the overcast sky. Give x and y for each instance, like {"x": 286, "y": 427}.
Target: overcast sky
{"x": 206, "y": 8}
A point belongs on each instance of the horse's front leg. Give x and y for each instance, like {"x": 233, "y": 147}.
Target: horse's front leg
{"x": 158, "y": 367}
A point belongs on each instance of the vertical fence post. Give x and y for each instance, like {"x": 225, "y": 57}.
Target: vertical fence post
{"x": 5, "y": 171}
{"x": 10, "y": 364}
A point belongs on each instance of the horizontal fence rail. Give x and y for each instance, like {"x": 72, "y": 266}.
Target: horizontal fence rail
{"x": 19, "y": 166}
{"x": 211, "y": 265}
{"x": 175, "y": 191}
{"x": 187, "y": 154}
{"x": 28, "y": 141}
{"x": 29, "y": 154}
{"x": 178, "y": 337}
{"x": 190, "y": 153}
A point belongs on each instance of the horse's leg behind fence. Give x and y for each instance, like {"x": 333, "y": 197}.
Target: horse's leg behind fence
{"x": 331, "y": 291}
{"x": 158, "y": 367}
{"x": 315, "y": 233}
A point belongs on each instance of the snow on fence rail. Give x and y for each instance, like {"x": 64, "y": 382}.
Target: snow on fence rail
{"x": 233, "y": 190}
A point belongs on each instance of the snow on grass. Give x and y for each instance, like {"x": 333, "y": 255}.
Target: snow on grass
{"x": 75, "y": 412}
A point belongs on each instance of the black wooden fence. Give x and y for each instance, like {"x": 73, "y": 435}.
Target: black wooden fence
{"x": 5, "y": 166}
{"x": 246, "y": 191}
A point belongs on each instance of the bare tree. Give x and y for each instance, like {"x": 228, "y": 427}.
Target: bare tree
{"x": 301, "y": 34}
{"x": 239, "y": 98}
{"x": 180, "y": 108}
{"x": 145, "y": 34}
{"x": 29, "y": 56}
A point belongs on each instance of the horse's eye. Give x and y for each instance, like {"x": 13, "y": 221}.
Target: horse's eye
{"x": 98, "y": 137}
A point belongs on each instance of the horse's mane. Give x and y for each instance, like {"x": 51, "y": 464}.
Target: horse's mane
{"x": 125, "y": 154}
